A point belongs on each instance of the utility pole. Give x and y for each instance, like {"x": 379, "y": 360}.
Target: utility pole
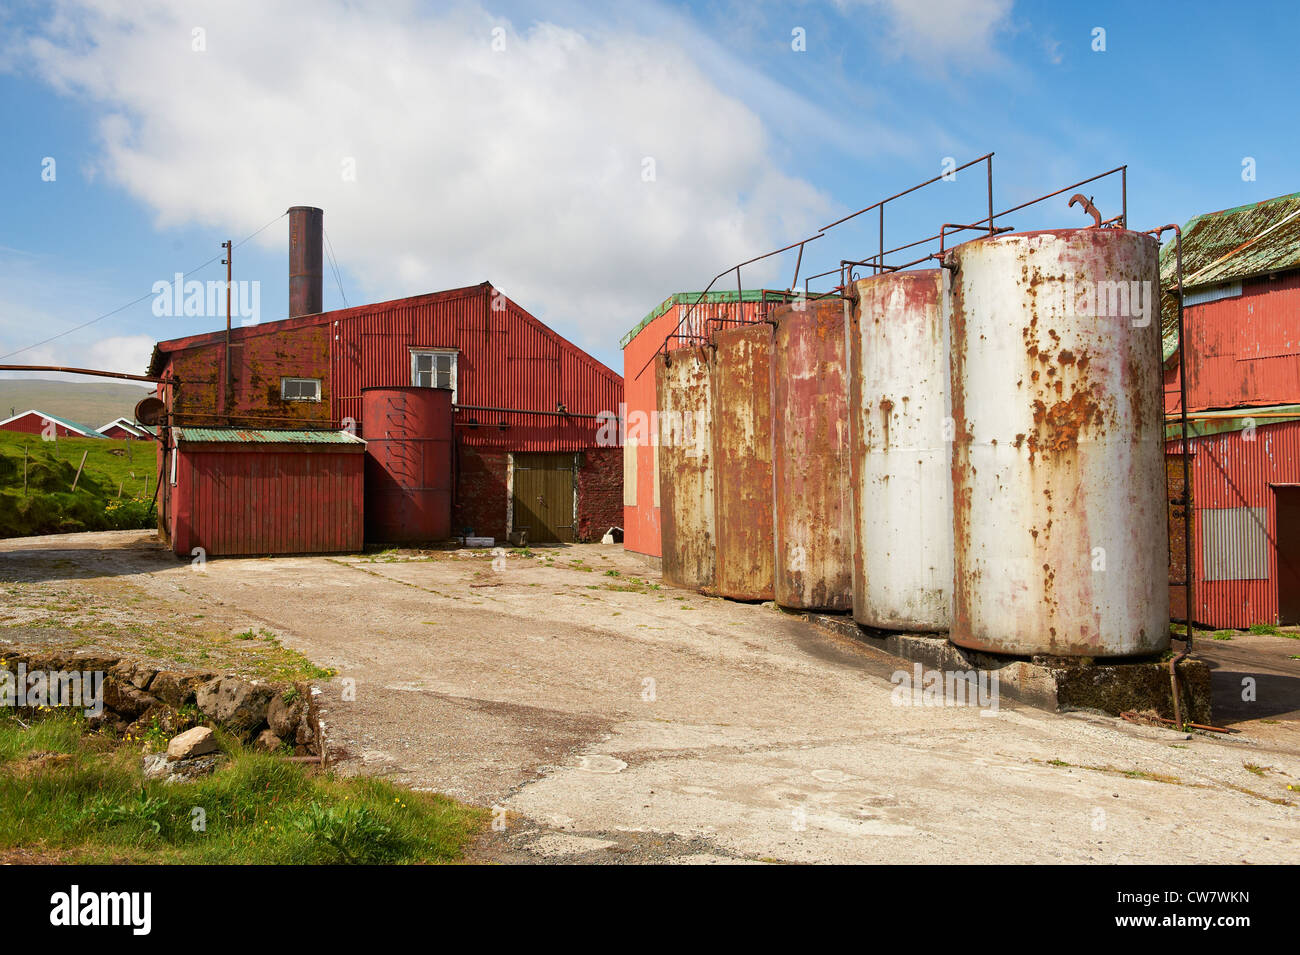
{"x": 225, "y": 390}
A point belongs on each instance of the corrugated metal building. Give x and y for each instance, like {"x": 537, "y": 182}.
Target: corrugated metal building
{"x": 236, "y": 492}
{"x": 525, "y": 400}
{"x": 1241, "y": 279}
{"x": 641, "y": 518}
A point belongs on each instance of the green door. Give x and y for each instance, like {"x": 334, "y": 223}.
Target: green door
{"x": 545, "y": 497}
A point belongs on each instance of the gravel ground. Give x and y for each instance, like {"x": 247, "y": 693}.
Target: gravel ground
{"x": 611, "y": 719}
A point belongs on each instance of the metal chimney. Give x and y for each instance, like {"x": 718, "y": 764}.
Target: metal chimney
{"x": 306, "y": 224}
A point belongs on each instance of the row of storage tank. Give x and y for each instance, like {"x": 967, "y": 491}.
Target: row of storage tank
{"x": 976, "y": 449}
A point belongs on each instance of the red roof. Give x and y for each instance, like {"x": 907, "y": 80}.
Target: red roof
{"x": 344, "y": 314}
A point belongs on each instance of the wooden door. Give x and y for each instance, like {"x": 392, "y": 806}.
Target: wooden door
{"x": 545, "y": 497}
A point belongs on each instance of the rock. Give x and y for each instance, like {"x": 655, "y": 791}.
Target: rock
{"x": 167, "y": 719}
{"x": 158, "y": 766}
{"x": 207, "y": 696}
{"x": 196, "y": 742}
{"x": 176, "y": 688}
{"x": 124, "y": 699}
{"x": 284, "y": 717}
{"x": 310, "y": 721}
{"x": 236, "y": 704}
{"x": 267, "y": 742}
{"x": 142, "y": 676}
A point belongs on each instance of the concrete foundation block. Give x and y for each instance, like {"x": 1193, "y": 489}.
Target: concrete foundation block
{"x": 1052, "y": 683}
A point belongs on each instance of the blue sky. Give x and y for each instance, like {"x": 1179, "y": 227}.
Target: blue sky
{"x": 525, "y": 165}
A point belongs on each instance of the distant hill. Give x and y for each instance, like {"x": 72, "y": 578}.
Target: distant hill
{"x": 85, "y": 402}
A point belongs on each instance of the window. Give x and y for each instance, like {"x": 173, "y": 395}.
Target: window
{"x": 300, "y": 389}
{"x": 434, "y": 369}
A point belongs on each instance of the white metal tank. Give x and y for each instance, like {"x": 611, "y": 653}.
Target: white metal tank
{"x": 901, "y": 460}
{"x": 1060, "y": 534}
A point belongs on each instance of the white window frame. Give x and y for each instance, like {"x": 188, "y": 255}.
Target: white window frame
{"x": 452, "y": 353}
{"x": 284, "y": 381}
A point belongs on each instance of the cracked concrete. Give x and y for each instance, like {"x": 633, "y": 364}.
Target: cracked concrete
{"x": 611, "y": 720}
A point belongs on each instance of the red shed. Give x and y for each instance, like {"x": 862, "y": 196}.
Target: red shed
{"x": 122, "y": 429}
{"x": 42, "y": 422}
{"x": 528, "y": 405}
{"x": 1241, "y": 316}
{"x": 241, "y": 492}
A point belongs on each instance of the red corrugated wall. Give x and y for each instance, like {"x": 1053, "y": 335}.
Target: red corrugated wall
{"x": 507, "y": 359}
{"x": 1230, "y": 471}
{"x": 267, "y": 499}
{"x": 1243, "y": 351}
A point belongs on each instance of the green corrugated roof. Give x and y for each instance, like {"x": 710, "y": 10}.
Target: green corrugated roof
{"x": 712, "y": 298}
{"x": 1201, "y": 427}
{"x": 1231, "y": 245}
{"x": 260, "y": 436}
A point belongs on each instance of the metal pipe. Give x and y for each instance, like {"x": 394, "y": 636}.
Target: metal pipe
{"x": 86, "y": 371}
{"x": 558, "y": 414}
{"x": 1189, "y": 573}
{"x": 899, "y": 195}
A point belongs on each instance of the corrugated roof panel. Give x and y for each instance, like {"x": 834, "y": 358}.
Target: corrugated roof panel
{"x": 248, "y": 436}
{"x": 1244, "y": 242}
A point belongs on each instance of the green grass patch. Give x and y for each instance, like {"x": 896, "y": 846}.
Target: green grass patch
{"x": 113, "y": 492}
{"x": 82, "y": 797}
{"x": 1262, "y": 629}
{"x": 1223, "y": 635}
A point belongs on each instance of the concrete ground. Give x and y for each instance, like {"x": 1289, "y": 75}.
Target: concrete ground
{"x": 612, "y": 719}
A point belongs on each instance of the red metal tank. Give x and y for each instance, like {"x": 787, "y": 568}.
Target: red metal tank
{"x": 742, "y": 461}
{"x": 685, "y": 424}
{"x": 408, "y": 434}
{"x": 812, "y": 523}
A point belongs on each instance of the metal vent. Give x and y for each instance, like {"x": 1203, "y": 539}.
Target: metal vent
{"x": 1235, "y": 542}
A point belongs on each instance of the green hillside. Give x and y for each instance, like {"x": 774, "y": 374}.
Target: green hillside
{"x": 86, "y": 402}
{"x": 36, "y": 495}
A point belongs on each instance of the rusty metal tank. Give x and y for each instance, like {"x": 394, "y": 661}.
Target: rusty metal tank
{"x": 901, "y": 462}
{"x": 813, "y": 513}
{"x": 684, "y": 392}
{"x": 1059, "y": 521}
{"x": 742, "y": 461}
{"x": 408, "y": 433}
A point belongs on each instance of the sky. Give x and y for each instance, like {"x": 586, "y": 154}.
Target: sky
{"x": 589, "y": 159}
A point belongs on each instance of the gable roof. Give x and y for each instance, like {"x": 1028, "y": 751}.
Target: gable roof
{"x": 1227, "y": 246}
{"x": 82, "y": 429}
{"x": 124, "y": 423}
{"x": 1239, "y": 243}
{"x": 243, "y": 332}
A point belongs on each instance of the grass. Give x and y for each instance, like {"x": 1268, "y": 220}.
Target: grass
{"x": 82, "y": 798}
{"x": 48, "y": 505}
{"x": 1223, "y": 635}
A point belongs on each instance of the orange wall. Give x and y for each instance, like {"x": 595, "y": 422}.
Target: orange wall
{"x": 641, "y": 522}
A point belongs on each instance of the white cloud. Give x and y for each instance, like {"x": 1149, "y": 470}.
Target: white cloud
{"x": 523, "y": 167}
{"x": 939, "y": 31}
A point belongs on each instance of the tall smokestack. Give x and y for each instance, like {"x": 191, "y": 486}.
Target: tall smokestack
{"x": 306, "y": 223}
